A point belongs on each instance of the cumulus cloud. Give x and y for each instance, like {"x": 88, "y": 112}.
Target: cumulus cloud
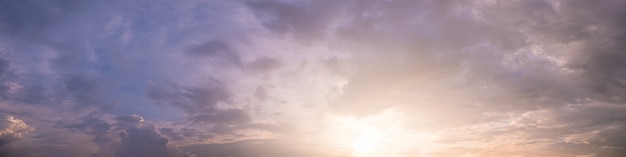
{"x": 13, "y": 129}
{"x": 141, "y": 141}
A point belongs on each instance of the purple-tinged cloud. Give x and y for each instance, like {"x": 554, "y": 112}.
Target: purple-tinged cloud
{"x": 360, "y": 78}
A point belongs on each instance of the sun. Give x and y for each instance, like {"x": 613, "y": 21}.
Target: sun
{"x": 378, "y": 135}
{"x": 361, "y": 137}
{"x": 363, "y": 145}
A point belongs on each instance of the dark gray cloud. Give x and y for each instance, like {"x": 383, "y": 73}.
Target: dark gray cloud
{"x": 30, "y": 18}
{"x": 218, "y": 51}
{"x": 170, "y": 132}
{"x": 101, "y": 130}
{"x": 142, "y": 141}
{"x": 305, "y": 20}
{"x": 263, "y": 65}
{"x": 85, "y": 91}
{"x": 224, "y": 117}
{"x": 190, "y": 99}
{"x": 5, "y": 75}
{"x": 128, "y": 136}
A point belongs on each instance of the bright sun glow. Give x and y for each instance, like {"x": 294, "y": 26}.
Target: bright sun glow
{"x": 381, "y": 135}
{"x": 363, "y": 145}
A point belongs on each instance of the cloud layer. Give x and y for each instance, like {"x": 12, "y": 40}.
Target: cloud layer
{"x": 359, "y": 78}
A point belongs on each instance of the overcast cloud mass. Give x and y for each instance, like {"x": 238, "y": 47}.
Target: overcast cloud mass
{"x": 312, "y": 78}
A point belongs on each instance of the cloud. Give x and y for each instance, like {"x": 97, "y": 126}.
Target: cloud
{"x": 263, "y": 65}
{"x": 475, "y": 57}
{"x": 85, "y": 91}
{"x": 588, "y": 129}
{"x": 306, "y": 21}
{"x": 13, "y": 129}
{"x": 218, "y": 51}
{"x": 253, "y": 149}
{"x": 30, "y": 18}
{"x": 127, "y": 136}
{"x": 5, "y": 74}
{"x": 101, "y": 130}
{"x": 141, "y": 141}
{"x": 224, "y": 117}
{"x": 488, "y": 77}
{"x": 139, "y": 138}
{"x": 191, "y": 99}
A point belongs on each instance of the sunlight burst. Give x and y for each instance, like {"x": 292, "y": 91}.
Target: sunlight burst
{"x": 363, "y": 146}
{"x": 379, "y": 135}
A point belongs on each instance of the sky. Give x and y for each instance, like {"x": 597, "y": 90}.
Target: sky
{"x": 312, "y": 78}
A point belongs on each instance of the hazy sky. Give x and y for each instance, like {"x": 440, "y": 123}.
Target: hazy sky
{"x": 313, "y": 78}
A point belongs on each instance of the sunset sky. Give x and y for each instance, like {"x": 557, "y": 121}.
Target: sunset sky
{"x": 313, "y": 78}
